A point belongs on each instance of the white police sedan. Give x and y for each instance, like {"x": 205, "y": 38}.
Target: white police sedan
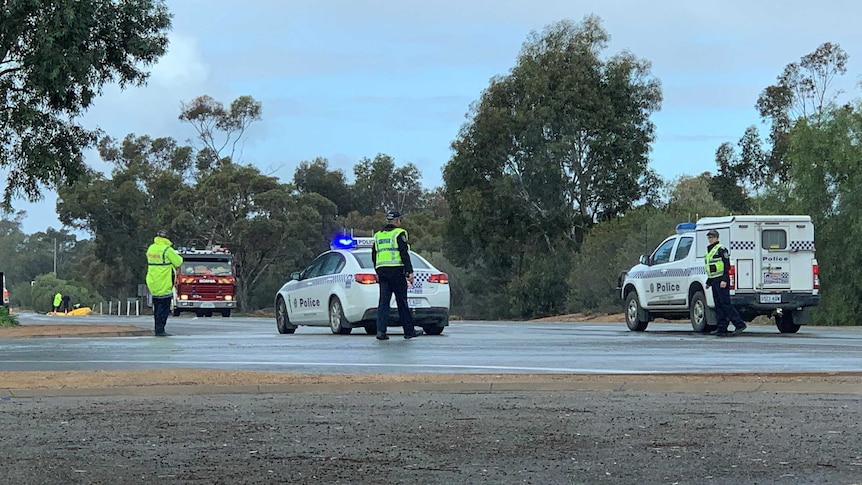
{"x": 339, "y": 289}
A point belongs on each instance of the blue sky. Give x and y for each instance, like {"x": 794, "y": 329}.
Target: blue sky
{"x": 347, "y": 79}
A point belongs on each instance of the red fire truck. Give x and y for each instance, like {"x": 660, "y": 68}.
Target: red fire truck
{"x": 205, "y": 282}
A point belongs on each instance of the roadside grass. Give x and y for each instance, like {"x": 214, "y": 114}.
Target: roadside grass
{"x": 7, "y": 319}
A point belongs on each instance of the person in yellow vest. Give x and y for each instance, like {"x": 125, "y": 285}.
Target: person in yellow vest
{"x": 161, "y": 261}
{"x": 58, "y": 300}
{"x": 717, "y": 261}
{"x": 391, "y": 257}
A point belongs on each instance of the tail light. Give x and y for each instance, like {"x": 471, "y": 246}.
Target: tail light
{"x": 441, "y": 278}
{"x": 815, "y": 270}
{"x": 365, "y": 278}
{"x": 731, "y": 273}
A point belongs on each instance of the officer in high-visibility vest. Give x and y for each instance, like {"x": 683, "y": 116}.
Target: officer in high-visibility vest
{"x": 391, "y": 257}
{"x": 717, "y": 261}
{"x": 58, "y": 300}
{"x": 161, "y": 261}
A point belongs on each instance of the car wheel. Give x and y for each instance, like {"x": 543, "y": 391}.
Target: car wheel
{"x": 199, "y": 314}
{"x": 633, "y": 311}
{"x": 697, "y": 313}
{"x": 176, "y": 312}
{"x": 282, "y": 322}
{"x": 225, "y": 313}
{"x": 371, "y": 329}
{"x": 433, "y": 329}
{"x": 337, "y": 323}
{"x": 785, "y": 324}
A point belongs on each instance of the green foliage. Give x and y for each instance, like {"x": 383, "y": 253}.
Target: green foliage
{"x": 57, "y": 56}
{"x": 552, "y": 148}
{"x": 826, "y": 175}
{"x": 380, "y": 186}
{"x": 7, "y": 319}
{"x": 315, "y": 176}
{"x": 46, "y": 286}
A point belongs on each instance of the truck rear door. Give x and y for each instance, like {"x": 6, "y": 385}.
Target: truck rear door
{"x": 775, "y": 259}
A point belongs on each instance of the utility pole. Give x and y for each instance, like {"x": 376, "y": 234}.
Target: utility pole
{"x": 55, "y": 257}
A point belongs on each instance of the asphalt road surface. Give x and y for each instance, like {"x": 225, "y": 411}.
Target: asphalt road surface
{"x": 465, "y": 347}
{"x": 713, "y": 435}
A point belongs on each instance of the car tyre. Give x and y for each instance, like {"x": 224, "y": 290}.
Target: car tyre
{"x": 433, "y": 329}
{"x": 785, "y": 324}
{"x": 371, "y": 328}
{"x": 633, "y": 311}
{"x": 337, "y": 323}
{"x": 697, "y": 313}
{"x": 282, "y": 322}
{"x": 225, "y": 313}
{"x": 176, "y": 312}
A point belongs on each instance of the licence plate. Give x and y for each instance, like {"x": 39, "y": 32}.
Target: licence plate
{"x": 770, "y": 298}
{"x": 414, "y": 302}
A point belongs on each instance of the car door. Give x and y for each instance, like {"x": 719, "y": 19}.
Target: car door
{"x": 679, "y": 271}
{"x": 330, "y": 266}
{"x": 659, "y": 283}
{"x": 304, "y": 302}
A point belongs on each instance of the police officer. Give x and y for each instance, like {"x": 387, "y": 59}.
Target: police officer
{"x": 717, "y": 261}
{"x": 391, "y": 257}
{"x": 161, "y": 261}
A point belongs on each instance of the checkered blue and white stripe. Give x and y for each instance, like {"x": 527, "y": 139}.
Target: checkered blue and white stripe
{"x": 742, "y": 245}
{"x": 802, "y": 245}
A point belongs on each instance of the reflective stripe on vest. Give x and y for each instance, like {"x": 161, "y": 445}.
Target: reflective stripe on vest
{"x": 386, "y": 245}
{"x": 714, "y": 263}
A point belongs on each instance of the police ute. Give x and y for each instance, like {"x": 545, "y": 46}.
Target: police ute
{"x": 773, "y": 272}
{"x": 339, "y": 289}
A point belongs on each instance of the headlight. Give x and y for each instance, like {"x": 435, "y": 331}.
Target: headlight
{"x": 228, "y": 297}
{"x": 184, "y": 297}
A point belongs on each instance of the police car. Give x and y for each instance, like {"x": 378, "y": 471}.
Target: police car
{"x": 339, "y": 289}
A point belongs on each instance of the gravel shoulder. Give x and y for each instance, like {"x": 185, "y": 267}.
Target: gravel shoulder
{"x": 223, "y": 427}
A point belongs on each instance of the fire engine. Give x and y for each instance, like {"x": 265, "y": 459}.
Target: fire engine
{"x": 205, "y": 282}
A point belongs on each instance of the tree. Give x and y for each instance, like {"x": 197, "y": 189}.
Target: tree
{"x": 555, "y": 146}
{"x": 825, "y": 178}
{"x": 219, "y": 128}
{"x": 379, "y": 186}
{"x": 804, "y": 90}
{"x": 55, "y": 57}
{"x": 315, "y": 176}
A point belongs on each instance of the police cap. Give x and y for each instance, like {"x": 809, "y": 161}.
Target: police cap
{"x": 162, "y": 233}
{"x": 392, "y": 215}
{"x": 712, "y": 233}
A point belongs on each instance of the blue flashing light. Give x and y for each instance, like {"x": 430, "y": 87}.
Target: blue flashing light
{"x": 342, "y": 241}
{"x": 684, "y": 227}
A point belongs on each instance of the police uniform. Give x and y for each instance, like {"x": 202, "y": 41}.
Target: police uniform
{"x": 161, "y": 261}
{"x": 391, "y": 258}
{"x": 717, "y": 262}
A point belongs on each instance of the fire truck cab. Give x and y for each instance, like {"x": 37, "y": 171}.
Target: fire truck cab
{"x": 205, "y": 282}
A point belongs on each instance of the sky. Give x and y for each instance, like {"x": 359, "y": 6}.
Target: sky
{"x": 348, "y": 79}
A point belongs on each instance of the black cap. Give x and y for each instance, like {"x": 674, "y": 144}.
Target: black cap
{"x": 712, "y": 232}
{"x": 392, "y": 215}
{"x": 162, "y": 233}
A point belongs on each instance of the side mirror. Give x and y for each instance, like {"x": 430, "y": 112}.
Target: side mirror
{"x": 644, "y": 260}
{"x": 294, "y": 276}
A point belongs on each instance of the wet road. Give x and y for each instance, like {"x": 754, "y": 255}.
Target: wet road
{"x": 465, "y": 347}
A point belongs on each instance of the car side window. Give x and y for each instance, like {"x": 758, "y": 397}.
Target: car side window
{"x": 313, "y": 269}
{"x": 332, "y": 263}
{"x": 662, "y": 253}
{"x": 683, "y": 248}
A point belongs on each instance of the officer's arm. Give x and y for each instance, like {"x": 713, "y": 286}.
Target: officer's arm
{"x": 374, "y": 255}
{"x": 403, "y": 248}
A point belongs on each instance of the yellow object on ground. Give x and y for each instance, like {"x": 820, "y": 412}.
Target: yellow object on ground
{"x": 76, "y": 312}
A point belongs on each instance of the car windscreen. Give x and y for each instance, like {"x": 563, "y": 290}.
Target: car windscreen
{"x": 364, "y": 259}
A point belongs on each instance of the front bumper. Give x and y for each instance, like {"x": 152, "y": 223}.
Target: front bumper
{"x": 205, "y": 305}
